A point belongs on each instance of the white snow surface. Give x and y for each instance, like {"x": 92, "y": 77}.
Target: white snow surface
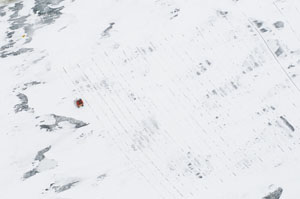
{"x": 184, "y": 99}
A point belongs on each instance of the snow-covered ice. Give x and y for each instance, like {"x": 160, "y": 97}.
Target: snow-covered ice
{"x": 183, "y": 99}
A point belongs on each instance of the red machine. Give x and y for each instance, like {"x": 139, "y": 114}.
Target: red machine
{"x": 79, "y": 103}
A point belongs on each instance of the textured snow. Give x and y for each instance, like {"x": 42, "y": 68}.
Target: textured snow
{"x": 183, "y": 99}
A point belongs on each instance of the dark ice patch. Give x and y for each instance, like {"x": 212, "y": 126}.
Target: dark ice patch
{"x": 17, "y": 23}
{"x": 258, "y": 23}
{"x": 49, "y": 127}
{"x": 16, "y": 8}
{"x": 222, "y": 13}
{"x": 77, "y": 123}
{"x": 8, "y": 45}
{"x": 279, "y": 51}
{"x": 263, "y": 30}
{"x": 58, "y": 188}
{"x": 208, "y": 62}
{"x": 106, "y": 32}
{"x": 2, "y": 12}
{"x": 58, "y": 119}
{"x": 175, "y": 13}
{"x": 275, "y": 194}
{"x": 101, "y": 177}
{"x": 32, "y": 83}
{"x": 40, "y": 155}
{"x": 197, "y": 166}
{"x": 15, "y": 53}
{"x": 30, "y": 173}
{"x": 233, "y": 85}
{"x": 29, "y": 84}
{"x": 286, "y": 122}
{"x": 38, "y": 60}
{"x": 23, "y": 106}
{"x": 278, "y": 24}
{"x": 10, "y": 34}
{"x": 47, "y": 10}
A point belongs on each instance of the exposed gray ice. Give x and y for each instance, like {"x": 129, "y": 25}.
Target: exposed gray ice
{"x": 48, "y": 10}
{"x": 58, "y": 188}
{"x": 16, "y": 8}
{"x": 29, "y": 84}
{"x": 263, "y": 30}
{"x": 15, "y": 53}
{"x": 105, "y": 33}
{"x": 275, "y": 194}
{"x": 16, "y": 22}
{"x": 43, "y": 163}
{"x": 279, "y": 24}
{"x": 222, "y": 13}
{"x": 23, "y": 106}
{"x": 101, "y": 177}
{"x": 30, "y": 173}
{"x": 2, "y": 12}
{"x": 58, "y": 119}
{"x": 258, "y": 23}
{"x": 48, "y": 127}
{"x": 287, "y": 123}
{"x": 40, "y": 155}
{"x": 279, "y": 51}
{"x": 175, "y": 13}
